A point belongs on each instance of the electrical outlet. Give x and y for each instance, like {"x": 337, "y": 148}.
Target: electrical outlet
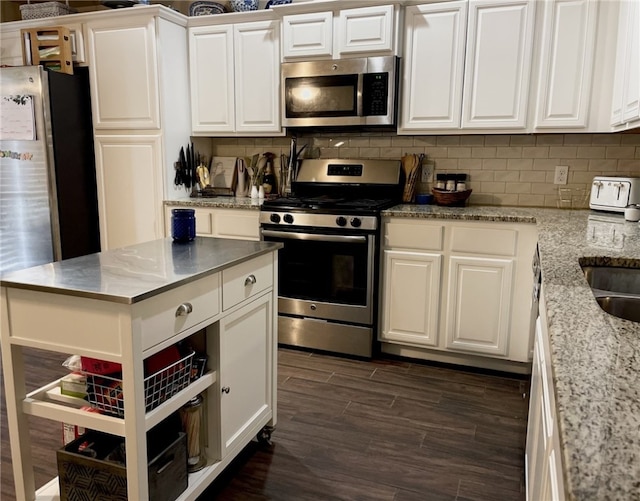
{"x": 562, "y": 174}
{"x": 427, "y": 172}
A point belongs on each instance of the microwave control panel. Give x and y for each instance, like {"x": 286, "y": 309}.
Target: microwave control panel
{"x": 375, "y": 94}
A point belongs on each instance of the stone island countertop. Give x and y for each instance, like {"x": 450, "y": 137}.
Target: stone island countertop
{"x": 131, "y": 274}
{"x": 595, "y": 356}
{"x": 218, "y": 203}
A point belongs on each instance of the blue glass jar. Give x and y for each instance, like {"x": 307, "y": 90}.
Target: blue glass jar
{"x": 183, "y": 225}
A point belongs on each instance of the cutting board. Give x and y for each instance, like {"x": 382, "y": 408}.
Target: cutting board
{"x": 221, "y": 172}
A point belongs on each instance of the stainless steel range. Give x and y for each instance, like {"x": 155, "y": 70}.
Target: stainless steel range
{"x": 328, "y": 267}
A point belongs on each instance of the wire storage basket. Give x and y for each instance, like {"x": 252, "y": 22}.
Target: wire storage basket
{"x": 45, "y": 9}
{"x": 106, "y": 392}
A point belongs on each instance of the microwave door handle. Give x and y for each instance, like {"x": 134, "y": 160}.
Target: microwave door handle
{"x": 360, "y": 97}
{"x": 315, "y": 236}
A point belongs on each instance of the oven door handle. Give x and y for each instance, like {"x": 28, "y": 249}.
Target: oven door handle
{"x": 315, "y": 236}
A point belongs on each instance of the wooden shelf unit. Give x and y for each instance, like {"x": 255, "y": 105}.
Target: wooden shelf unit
{"x": 38, "y": 42}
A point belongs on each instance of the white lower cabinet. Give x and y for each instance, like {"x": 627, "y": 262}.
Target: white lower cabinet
{"x": 245, "y": 388}
{"x": 411, "y": 288}
{"x": 457, "y": 290}
{"x": 543, "y": 458}
{"x": 235, "y": 224}
{"x": 130, "y": 188}
{"x": 478, "y": 308}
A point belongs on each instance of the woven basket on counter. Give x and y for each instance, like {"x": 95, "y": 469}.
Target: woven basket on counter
{"x": 45, "y": 9}
{"x": 451, "y": 198}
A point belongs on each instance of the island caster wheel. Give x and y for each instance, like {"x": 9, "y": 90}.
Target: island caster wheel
{"x": 264, "y": 435}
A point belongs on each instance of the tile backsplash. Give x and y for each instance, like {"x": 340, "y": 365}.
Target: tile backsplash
{"x": 513, "y": 170}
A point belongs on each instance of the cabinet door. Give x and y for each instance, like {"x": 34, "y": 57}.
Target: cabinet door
{"x": 411, "y": 297}
{"x": 479, "y": 304}
{"x": 626, "y": 86}
{"x": 129, "y": 189}
{"x": 212, "y": 79}
{"x": 535, "y": 451}
{"x": 307, "y": 35}
{"x": 367, "y": 29}
{"x": 497, "y": 64}
{"x": 124, "y": 75}
{"x": 257, "y": 83}
{"x": 11, "y": 47}
{"x": 246, "y": 359}
{"x": 568, "y": 51}
{"x": 434, "y": 38}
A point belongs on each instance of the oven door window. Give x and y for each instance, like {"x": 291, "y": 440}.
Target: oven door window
{"x": 331, "y": 96}
{"x": 332, "y": 272}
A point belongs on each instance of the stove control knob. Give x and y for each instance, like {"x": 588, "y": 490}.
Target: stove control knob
{"x": 288, "y": 218}
{"x": 356, "y": 222}
{"x": 274, "y": 218}
{"x": 341, "y": 221}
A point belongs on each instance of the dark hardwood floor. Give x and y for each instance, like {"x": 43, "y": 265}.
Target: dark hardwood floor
{"x": 360, "y": 430}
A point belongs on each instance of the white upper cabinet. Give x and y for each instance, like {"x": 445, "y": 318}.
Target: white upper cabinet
{"x": 212, "y": 92}
{"x": 625, "y": 110}
{"x": 235, "y": 78}
{"x": 307, "y": 35}
{"x": 257, "y": 68}
{"x": 363, "y": 31}
{"x": 498, "y": 64}
{"x": 434, "y": 38}
{"x": 123, "y": 66}
{"x": 568, "y": 53}
{"x": 367, "y": 29}
{"x": 467, "y": 66}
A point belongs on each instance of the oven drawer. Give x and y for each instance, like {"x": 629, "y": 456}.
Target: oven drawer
{"x": 246, "y": 280}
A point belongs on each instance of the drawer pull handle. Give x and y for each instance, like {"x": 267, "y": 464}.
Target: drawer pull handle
{"x": 184, "y": 309}
{"x": 250, "y": 280}
{"x": 226, "y": 389}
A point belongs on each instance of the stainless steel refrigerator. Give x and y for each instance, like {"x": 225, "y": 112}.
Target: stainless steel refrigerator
{"x": 48, "y": 200}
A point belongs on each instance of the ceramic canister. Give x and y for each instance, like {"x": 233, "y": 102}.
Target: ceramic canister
{"x": 183, "y": 225}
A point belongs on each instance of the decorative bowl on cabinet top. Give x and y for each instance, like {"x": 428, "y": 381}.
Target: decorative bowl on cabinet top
{"x": 243, "y": 5}
{"x": 203, "y": 8}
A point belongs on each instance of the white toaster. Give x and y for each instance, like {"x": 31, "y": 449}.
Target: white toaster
{"x": 613, "y": 194}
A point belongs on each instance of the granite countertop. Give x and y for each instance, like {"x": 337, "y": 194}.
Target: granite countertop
{"x": 130, "y": 274}
{"x": 219, "y": 202}
{"x": 595, "y": 356}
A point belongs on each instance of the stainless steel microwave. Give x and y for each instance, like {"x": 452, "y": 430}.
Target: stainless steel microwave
{"x": 340, "y": 92}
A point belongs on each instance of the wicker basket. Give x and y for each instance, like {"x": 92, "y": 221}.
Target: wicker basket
{"x": 451, "y": 198}
{"x": 45, "y": 9}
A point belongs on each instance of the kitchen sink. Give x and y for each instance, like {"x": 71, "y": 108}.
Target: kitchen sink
{"x": 613, "y": 279}
{"x": 616, "y": 289}
{"x": 627, "y": 307}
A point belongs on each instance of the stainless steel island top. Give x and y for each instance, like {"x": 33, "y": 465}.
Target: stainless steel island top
{"x": 131, "y": 274}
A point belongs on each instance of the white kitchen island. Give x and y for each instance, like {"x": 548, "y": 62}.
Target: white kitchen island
{"x": 127, "y": 304}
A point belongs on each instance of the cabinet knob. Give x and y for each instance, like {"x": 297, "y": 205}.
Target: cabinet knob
{"x": 250, "y": 280}
{"x": 226, "y": 389}
{"x": 184, "y": 309}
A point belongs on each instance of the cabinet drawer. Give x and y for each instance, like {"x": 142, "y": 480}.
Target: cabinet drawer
{"x": 160, "y": 315}
{"x": 246, "y": 280}
{"x": 414, "y": 236}
{"x": 493, "y": 241}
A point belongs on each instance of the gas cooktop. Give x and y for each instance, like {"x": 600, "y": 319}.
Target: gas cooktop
{"x": 327, "y": 203}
